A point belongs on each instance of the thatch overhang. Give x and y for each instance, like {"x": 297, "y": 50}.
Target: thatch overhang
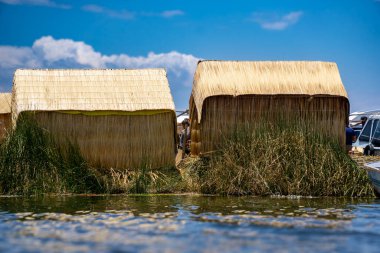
{"x": 236, "y": 78}
{"x": 107, "y": 90}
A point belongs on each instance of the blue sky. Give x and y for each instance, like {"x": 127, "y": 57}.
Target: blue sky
{"x": 175, "y": 34}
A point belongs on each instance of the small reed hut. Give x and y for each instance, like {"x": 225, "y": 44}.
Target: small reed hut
{"x": 226, "y": 94}
{"x": 119, "y": 118}
{"x": 5, "y": 114}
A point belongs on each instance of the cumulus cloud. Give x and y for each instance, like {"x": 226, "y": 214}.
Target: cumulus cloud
{"x": 47, "y": 3}
{"x": 275, "y": 22}
{"x": 48, "y": 52}
{"x": 17, "y": 57}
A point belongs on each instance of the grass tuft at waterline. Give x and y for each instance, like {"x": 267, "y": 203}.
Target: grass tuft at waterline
{"x": 278, "y": 159}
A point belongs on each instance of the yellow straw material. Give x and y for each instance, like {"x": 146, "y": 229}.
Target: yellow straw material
{"x": 5, "y": 103}
{"x": 229, "y": 94}
{"x": 213, "y": 78}
{"x": 5, "y": 113}
{"x": 119, "y": 118}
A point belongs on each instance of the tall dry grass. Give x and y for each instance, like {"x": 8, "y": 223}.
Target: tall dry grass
{"x": 143, "y": 180}
{"x": 281, "y": 159}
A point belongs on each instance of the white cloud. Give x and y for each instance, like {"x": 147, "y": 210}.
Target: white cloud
{"x": 121, "y": 14}
{"x": 171, "y": 13}
{"x": 275, "y": 22}
{"x": 47, "y": 3}
{"x": 17, "y": 57}
{"x": 48, "y": 52}
{"x": 51, "y": 50}
{"x": 93, "y": 8}
{"x": 125, "y": 14}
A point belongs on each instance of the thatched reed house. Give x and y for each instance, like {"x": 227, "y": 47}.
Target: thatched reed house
{"x": 227, "y": 94}
{"x": 119, "y": 118}
{"x": 5, "y": 113}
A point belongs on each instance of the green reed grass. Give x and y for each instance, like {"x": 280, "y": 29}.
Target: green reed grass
{"x": 32, "y": 163}
{"x": 280, "y": 159}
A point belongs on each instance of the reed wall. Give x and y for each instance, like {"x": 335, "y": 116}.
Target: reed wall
{"x": 116, "y": 141}
{"x": 5, "y": 123}
{"x": 221, "y": 115}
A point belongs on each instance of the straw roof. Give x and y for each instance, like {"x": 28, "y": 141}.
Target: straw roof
{"x": 214, "y": 78}
{"x": 91, "y": 90}
{"x": 5, "y": 103}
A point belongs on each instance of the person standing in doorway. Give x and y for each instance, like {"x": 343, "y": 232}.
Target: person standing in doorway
{"x": 184, "y": 142}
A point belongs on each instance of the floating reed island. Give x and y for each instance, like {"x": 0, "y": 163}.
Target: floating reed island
{"x": 119, "y": 118}
{"x": 257, "y": 128}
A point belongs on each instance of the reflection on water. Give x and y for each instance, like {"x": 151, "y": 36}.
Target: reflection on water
{"x": 183, "y": 223}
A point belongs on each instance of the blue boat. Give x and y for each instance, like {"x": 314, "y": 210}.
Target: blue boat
{"x": 373, "y": 170}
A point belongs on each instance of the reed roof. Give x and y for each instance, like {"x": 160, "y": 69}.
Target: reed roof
{"x": 5, "y": 103}
{"x": 91, "y": 90}
{"x": 235, "y": 78}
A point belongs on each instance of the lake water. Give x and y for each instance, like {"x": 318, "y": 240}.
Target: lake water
{"x": 185, "y": 223}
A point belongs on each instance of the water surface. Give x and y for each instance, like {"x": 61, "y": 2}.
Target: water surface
{"x": 185, "y": 223}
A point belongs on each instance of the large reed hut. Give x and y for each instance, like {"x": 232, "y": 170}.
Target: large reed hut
{"x": 5, "y": 113}
{"x": 118, "y": 118}
{"x": 227, "y": 94}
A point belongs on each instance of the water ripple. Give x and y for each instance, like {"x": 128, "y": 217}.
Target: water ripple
{"x": 188, "y": 224}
